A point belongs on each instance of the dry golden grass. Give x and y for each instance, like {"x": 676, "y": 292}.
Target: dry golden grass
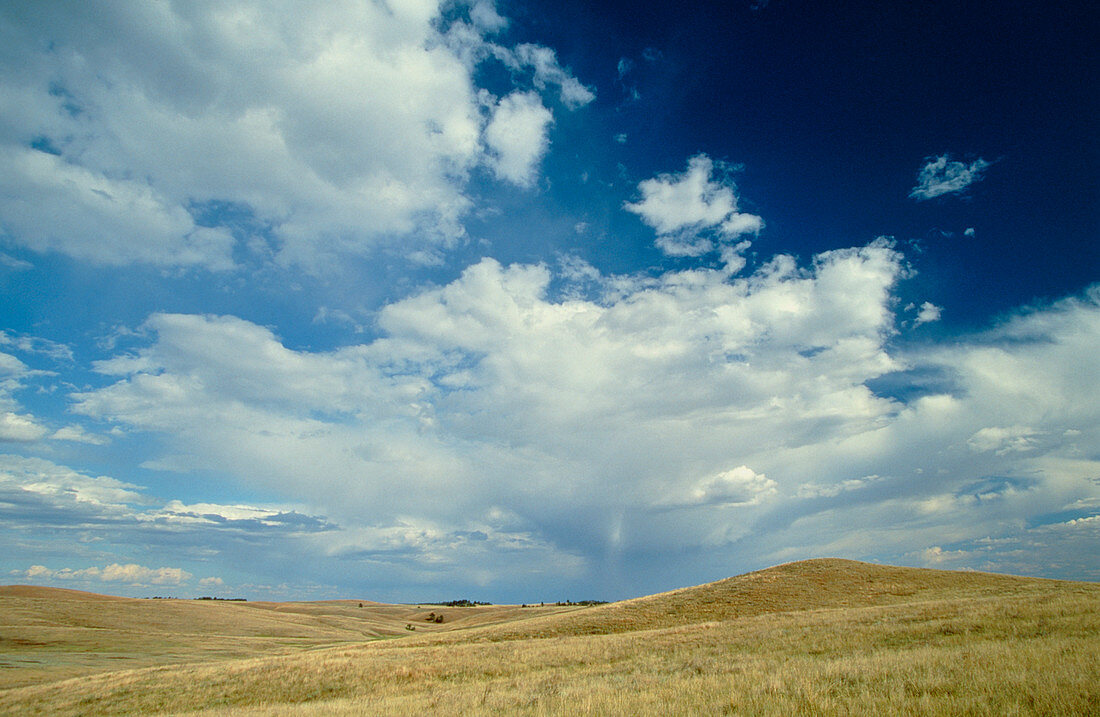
{"x": 803, "y": 585}
{"x": 48, "y": 634}
{"x": 887, "y": 640}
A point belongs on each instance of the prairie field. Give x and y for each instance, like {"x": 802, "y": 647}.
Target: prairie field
{"x": 814, "y": 637}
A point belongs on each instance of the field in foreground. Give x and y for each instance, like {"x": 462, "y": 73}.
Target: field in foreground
{"x": 823, "y": 636}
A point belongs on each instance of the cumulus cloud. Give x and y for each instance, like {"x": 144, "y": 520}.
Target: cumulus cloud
{"x": 940, "y": 176}
{"x": 15, "y": 427}
{"x": 937, "y": 557}
{"x": 516, "y": 137}
{"x": 690, "y": 211}
{"x": 739, "y": 486}
{"x": 566, "y": 412}
{"x": 484, "y": 15}
{"x": 20, "y": 428}
{"x": 131, "y": 574}
{"x": 928, "y": 313}
{"x": 96, "y": 218}
{"x": 587, "y": 415}
{"x": 1011, "y": 439}
{"x": 337, "y": 127}
{"x": 10, "y": 366}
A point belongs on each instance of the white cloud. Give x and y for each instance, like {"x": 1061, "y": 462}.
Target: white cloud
{"x": 1010, "y": 439}
{"x": 941, "y": 176}
{"x": 48, "y": 508}
{"x": 16, "y": 427}
{"x": 421, "y": 550}
{"x": 737, "y": 224}
{"x": 928, "y": 313}
{"x": 62, "y": 486}
{"x": 10, "y": 366}
{"x": 689, "y": 211}
{"x": 586, "y": 405}
{"x": 938, "y": 557}
{"x": 34, "y": 345}
{"x": 484, "y": 15}
{"x": 671, "y": 202}
{"x": 488, "y": 391}
{"x": 77, "y": 434}
{"x": 175, "y": 511}
{"x": 96, "y": 218}
{"x": 19, "y": 428}
{"x": 588, "y": 416}
{"x": 339, "y": 126}
{"x": 739, "y": 486}
{"x": 131, "y": 574}
{"x": 985, "y": 459}
{"x": 517, "y": 137}
{"x": 40, "y": 492}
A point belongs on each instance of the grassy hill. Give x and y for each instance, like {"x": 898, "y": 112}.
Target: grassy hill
{"x": 823, "y": 636}
{"x": 805, "y": 585}
{"x": 47, "y": 634}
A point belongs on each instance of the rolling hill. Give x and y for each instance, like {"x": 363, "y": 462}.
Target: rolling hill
{"x": 826, "y": 636}
{"x": 791, "y": 587}
{"x": 48, "y": 634}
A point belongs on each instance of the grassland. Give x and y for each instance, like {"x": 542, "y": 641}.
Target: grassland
{"x": 817, "y": 637}
{"x": 49, "y": 634}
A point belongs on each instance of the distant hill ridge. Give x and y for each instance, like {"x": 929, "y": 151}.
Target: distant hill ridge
{"x": 825, "y": 612}
{"x": 36, "y": 591}
{"x": 333, "y": 647}
{"x": 815, "y": 584}
{"x": 800, "y": 585}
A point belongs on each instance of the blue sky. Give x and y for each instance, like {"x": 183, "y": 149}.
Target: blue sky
{"x": 538, "y": 301}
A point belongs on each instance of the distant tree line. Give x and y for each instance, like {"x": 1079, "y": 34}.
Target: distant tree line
{"x": 581, "y": 603}
{"x": 204, "y": 597}
{"x": 462, "y": 603}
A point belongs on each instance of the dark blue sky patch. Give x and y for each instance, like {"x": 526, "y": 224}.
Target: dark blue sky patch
{"x": 911, "y": 384}
{"x": 1061, "y": 516}
{"x": 994, "y": 487}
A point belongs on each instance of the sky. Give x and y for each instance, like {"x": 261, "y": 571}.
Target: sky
{"x": 529, "y": 301}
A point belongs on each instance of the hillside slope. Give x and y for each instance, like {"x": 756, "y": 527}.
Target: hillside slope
{"x": 52, "y": 633}
{"x": 823, "y": 636}
{"x": 35, "y": 591}
{"x": 804, "y": 585}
